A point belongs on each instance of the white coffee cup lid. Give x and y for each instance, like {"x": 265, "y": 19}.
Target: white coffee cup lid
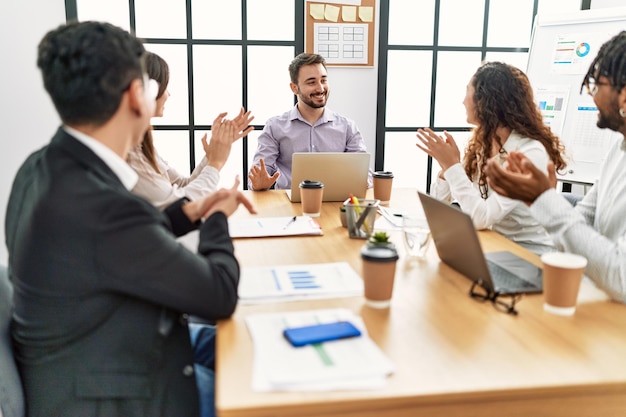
{"x": 564, "y": 260}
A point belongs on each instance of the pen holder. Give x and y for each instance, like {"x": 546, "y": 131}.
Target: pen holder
{"x": 360, "y": 217}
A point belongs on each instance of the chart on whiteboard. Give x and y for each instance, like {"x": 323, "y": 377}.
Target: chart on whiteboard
{"x": 573, "y": 52}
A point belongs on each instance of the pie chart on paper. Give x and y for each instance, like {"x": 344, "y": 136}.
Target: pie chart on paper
{"x": 582, "y": 50}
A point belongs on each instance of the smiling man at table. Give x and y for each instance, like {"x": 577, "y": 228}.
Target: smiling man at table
{"x": 309, "y": 127}
{"x": 595, "y": 227}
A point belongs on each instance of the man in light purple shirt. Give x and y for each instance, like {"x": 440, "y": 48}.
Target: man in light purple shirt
{"x": 308, "y": 127}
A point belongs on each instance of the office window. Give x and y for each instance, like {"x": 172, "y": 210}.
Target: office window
{"x": 461, "y": 22}
{"x": 112, "y": 11}
{"x": 269, "y": 93}
{"x": 408, "y": 96}
{"x": 428, "y": 52}
{"x": 271, "y": 19}
{"x": 411, "y": 22}
{"x": 216, "y": 19}
{"x": 160, "y": 19}
{"x": 505, "y": 31}
{"x": 223, "y": 55}
{"x": 217, "y": 79}
{"x": 454, "y": 71}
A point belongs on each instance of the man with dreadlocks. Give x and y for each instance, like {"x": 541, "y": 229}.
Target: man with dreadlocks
{"x": 595, "y": 228}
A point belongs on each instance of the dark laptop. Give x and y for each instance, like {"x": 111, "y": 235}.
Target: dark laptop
{"x": 458, "y": 246}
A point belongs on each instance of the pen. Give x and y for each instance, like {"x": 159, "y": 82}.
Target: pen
{"x": 393, "y": 218}
{"x": 292, "y": 220}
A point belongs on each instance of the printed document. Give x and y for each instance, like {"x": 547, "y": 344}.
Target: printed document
{"x": 353, "y": 363}
{"x": 298, "y": 282}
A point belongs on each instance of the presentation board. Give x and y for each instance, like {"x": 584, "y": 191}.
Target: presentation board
{"x": 562, "y": 47}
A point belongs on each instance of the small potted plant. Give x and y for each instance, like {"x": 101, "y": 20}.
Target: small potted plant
{"x": 380, "y": 239}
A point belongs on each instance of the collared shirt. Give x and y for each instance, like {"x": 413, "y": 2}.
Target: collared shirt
{"x": 124, "y": 172}
{"x": 290, "y": 132}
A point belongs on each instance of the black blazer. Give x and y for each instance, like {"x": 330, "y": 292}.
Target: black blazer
{"x": 100, "y": 288}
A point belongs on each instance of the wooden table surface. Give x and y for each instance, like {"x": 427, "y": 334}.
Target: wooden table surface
{"x": 454, "y": 356}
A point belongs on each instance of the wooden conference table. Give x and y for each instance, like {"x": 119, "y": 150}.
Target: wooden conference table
{"x": 454, "y": 356}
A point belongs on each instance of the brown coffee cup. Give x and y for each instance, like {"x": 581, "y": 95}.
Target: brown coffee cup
{"x": 562, "y": 274}
{"x": 383, "y": 181}
{"x": 379, "y": 270}
{"x": 311, "y": 194}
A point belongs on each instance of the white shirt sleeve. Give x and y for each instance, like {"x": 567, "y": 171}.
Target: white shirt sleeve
{"x": 440, "y": 190}
{"x": 487, "y": 212}
{"x": 572, "y": 229}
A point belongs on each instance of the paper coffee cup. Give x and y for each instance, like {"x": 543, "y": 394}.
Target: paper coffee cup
{"x": 383, "y": 181}
{"x": 379, "y": 270}
{"x": 562, "y": 274}
{"x": 311, "y": 195}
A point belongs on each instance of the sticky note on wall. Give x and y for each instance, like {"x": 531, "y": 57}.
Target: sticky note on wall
{"x": 348, "y": 13}
{"x": 332, "y": 13}
{"x": 317, "y": 11}
{"x": 366, "y": 13}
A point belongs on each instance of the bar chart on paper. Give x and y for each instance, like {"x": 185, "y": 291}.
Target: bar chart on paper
{"x": 294, "y": 282}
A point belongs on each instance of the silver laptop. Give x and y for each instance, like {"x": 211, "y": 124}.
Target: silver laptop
{"x": 458, "y": 246}
{"x": 343, "y": 173}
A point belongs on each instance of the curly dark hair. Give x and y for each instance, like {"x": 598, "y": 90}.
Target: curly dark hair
{"x": 503, "y": 97}
{"x": 87, "y": 67}
{"x": 610, "y": 63}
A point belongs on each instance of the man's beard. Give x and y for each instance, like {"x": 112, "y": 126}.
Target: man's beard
{"x": 309, "y": 102}
{"x": 610, "y": 121}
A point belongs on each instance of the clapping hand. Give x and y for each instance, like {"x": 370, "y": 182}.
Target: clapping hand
{"x": 521, "y": 179}
{"x": 226, "y": 200}
{"x": 443, "y": 149}
{"x": 223, "y": 133}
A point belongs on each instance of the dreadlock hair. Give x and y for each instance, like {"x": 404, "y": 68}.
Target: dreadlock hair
{"x": 610, "y": 63}
{"x": 158, "y": 70}
{"x": 503, "y": 97}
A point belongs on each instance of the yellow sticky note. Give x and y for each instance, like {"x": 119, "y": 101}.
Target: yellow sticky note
{"x": 332, "y": 13}
{"x": 317, "y": 11}
{"x": 366, "y": 13}
{"x": 348, "y": 13}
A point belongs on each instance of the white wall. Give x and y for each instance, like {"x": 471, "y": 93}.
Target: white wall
{"x": 28, "y": 116}
{"x": 353, "y": 94}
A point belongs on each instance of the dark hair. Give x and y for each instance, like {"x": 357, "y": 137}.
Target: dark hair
{"x": 303, "y": 59}
{"x": 157, "y": 70}
{"x": 87, "y": 67}
{"x": 610, "y": 62}
{"x": 503, "y": 96}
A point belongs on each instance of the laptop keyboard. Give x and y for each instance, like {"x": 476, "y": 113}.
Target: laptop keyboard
{"x": 505, "y": 281}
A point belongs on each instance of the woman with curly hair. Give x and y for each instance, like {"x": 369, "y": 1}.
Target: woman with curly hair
{"x": 500, "y": 103}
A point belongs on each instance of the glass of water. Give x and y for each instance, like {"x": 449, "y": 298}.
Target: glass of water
{"x": 416, "y": 235}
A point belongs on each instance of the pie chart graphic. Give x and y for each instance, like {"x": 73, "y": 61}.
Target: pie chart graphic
{"x": 582, "y": 50}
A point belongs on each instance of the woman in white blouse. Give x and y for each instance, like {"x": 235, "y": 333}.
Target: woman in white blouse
{"x": 160, "y": 183}
{"x": 500, "y": 103}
